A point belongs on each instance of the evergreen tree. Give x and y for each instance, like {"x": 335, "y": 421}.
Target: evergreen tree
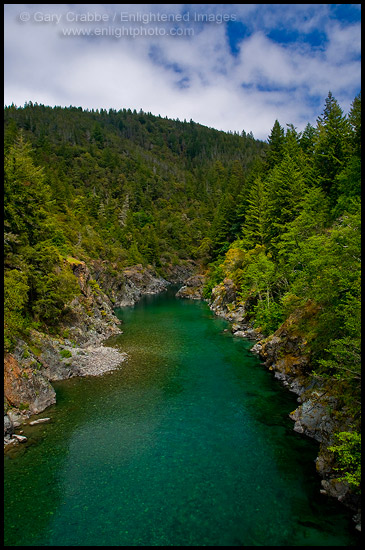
{"x": 26, "y": 193}
{"x": 332, "y": 144}
{"x": 307, "y": 140}
{"x": 257, "y": 170}
{"x": 15, "y": 299}
{"x": 254, "y": 230}
{"x": 291, "y": 144}
{"x": 236, "y": 187}
{"x": 276, "y": 142}
{"x": 285, "y": 191}
{"x": 355, "y": 123}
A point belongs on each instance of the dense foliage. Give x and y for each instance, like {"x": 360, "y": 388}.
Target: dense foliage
{"x": 281, "y": 219}
{"x": 121, "y": 187}
{"x": 299, "y": 247}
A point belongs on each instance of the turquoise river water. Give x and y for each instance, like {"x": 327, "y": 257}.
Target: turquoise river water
{"x": 187, "y": 443}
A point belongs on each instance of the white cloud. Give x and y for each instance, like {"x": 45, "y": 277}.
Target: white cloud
{"x": 187, "y": 77}
{"x": 344, "y": 43}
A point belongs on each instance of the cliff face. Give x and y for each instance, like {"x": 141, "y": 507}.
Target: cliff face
{"x": 25, "y": 387}
{"x": 77, "y": 350}
{"x": 286, "y": 352}
{"x": 137, "y": 282}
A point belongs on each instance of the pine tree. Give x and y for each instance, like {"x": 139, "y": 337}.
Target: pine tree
{"x": 285, "y": 191}
{"x": 355, "y": 123}
{"x": 291, "y": 144}
{"x": 223, "y": 225}
{"x": 26, "y": 193}
{"x": 236, "y": 187}
{"x": 254, "y": 230}
{"x": 276, "y": 143}
{"x": 307, "y": 139}
{"x": 332, "y": 147}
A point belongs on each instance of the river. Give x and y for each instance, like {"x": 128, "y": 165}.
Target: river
{"x": 187, "y": 443}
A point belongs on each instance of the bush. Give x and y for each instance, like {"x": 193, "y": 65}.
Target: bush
{"x": 348, "y": 455}
{"x": 15, "y": 298}
{"x": 53, "y": 292}
{"x": 268, "y": 316}
{"x": 216, "y": 276}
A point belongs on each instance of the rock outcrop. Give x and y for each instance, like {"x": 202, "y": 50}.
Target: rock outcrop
{"x": 223, "y": 299}
{"x": 193, "y": 288}
{"x": 287, "y": 354}
{"x": 225, "y": 303}
{"x": 139, "y": 281}
{"x": 178, "y": 274}
{"x": 25, "y": 387}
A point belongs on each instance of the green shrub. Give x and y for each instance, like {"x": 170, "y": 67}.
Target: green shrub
{"x": 347, "y": 452}
{"x": 269, "y": 316}
{"x": 15, "y": 298}
{"x": 95, "y": 288}
{"x": 216, "y": 276}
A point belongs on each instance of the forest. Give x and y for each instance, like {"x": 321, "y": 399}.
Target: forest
{"x": 280, "y": 218}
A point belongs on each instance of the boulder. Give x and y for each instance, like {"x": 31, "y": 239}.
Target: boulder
{"x": 20, "y": 438}
{"x": 193, "y": 288}
{"x": 312, "y": 419}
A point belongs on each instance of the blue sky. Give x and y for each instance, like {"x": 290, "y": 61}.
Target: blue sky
{"x": 229, "y": 66}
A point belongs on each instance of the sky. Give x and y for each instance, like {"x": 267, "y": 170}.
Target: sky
{"x": 232, "y": 67}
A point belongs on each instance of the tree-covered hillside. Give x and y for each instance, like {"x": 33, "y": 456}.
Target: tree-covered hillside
{"x": 121, "y": 187}
{"x": 280, "y": 219}
{"x": 299, "y": 250}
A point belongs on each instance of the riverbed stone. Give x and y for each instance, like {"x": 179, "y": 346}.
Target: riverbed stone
{"x": 20, "y": 438}
{"x": 240, "y": 334}
{"x": 39, "y": 421}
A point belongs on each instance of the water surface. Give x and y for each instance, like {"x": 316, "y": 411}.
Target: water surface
{"x": 188, "y": 443}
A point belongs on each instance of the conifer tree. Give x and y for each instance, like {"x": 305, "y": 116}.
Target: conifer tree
{"x": 307, "y": 139}
{"x": 355, "y": 123}
{"x": 332, "y": 146}
{"x": 291, "y": 145}
{"x": 276, "y": 143}
{"x": 254, "y": 230}
{"x": 223, "y": 225}
{"x": 25, "y": 192}
{"x": 285, "y": 191}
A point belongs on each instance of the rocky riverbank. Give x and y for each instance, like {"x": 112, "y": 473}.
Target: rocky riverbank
{"x": 77, "y": 349}
{"x": 286, "y": 353}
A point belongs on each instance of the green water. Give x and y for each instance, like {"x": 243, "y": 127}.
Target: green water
{"x": 188, "y": 443}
